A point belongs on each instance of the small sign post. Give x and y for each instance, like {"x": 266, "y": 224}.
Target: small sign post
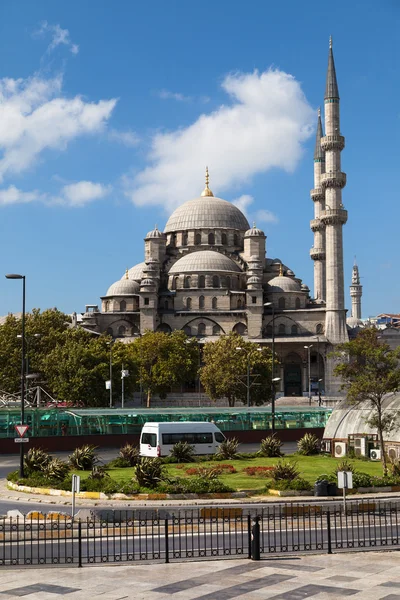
{"x": 76, "y": 486}
{"x": 21, "y": 430}
{"x": 124, "y": 373}
{"x": 345, "y": 481}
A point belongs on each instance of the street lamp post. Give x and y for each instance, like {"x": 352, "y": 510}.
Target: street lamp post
{"x": 27, "y": 347}
{"x": 110, "y": 373}
{"x": 21, "y": 450}
{"x": 309, "y": 372}
{"x": 273, "y": 379}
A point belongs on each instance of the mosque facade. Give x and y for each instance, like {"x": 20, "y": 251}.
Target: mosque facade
{"x": 208, "y": 273}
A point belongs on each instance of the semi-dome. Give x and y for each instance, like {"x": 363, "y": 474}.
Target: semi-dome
{"x": 284, "y": 284}
{"x": 204, "y": 260}
{"x": 206, "y": 212}
{"x": 123, "y": 287}
{"x": 136, "y": 272}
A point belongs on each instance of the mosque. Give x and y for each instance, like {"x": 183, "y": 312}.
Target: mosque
{"x": 208, "y": 274}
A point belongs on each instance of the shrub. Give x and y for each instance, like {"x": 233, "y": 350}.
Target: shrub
{"x": 284, "y": 470}
{"x": 394, "y": 467}
{"x": 331, "y": 478}
{"x": 218, "y": 469}
{"x": 258, "y": 471}
{"x": 118, "y": 463}
{"x": 98, "y": 472}
{"x": 362, "y": 480}
{"x": 129, "y": 454}
{"x": 228, "y": 449}
{"x": 56, "y": 470}
{"x": 345, "y": 465}
{"x": 308, "y": 445}
{"x": 149, "y": 472}
{"x": 84, "y": 458}
{"x": 270, "y": 447}
{"x": 36, "y": 459}
{"x": 298, "y": 485}
{"x": 182, "y": 452}
{"x": 194, "y": 485}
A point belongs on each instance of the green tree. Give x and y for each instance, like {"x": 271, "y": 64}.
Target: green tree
{"x": 370, "y": 370}
{"x": 163, "y": 361}
{"x": 224, "y": 374}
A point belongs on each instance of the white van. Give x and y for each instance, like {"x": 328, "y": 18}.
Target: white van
{"x": 157, "y": 439}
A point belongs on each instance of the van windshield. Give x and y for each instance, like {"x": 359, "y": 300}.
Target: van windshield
{"x": 219, "y": 437}
{"x": 150, "y": 439}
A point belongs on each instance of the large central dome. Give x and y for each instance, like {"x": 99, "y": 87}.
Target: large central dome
{"x": 206, "y": 213}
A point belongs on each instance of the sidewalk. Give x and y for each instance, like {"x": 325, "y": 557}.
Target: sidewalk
{"x": 366, "y": 575}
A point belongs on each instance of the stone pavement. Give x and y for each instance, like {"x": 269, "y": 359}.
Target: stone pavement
{"x": 367, "y": 575}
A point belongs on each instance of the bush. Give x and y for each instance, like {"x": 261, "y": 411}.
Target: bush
{"x": 84, "y": 458}
{"x": 218, "y": 470}
{"x": 107, "y": 486}
{"x": 182, "y": 452}
{"x": 270, "y": 447}
{"x": 258, "y": 471}
{"x": 228, "y": 449}
{"x": 129, "y": 454}
{"x": 99, "y": 473}
{"x": 345, "y": 465}
{"x": 118, "y": 463}
{"x": 331, "y": 478}
{"x": 394, "y": 467}
{"x": 284, "y": 470}
{"x": 36, "y": 459}
{"x": 308, "y": 445}
{"x": 298, "y": 485}
{"x": 362, "y": 480}
{"x": 194, "y": 485}
{"x": 149, "y": 472}
{"x": 56, "y": 470}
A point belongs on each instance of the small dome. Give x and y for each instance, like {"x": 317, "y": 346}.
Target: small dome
{"x": 284, "y": 284}
{"x": 254, "y": 232}
{"x": 206, "y": 212}
{"x": 155, "y": 233}
{"x": 353, "y": 322}
{"x": 305, "y": 287}
{"x": 123, "y": 287}
{"x": 136, "y": 272}
{"x": 204, "y": 260}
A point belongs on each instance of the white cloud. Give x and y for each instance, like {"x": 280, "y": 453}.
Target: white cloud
{"x": 58, "y": 35}
{"x": 82, "y": 192}
{"x": 243, "y": 202}
{"x": 35, "y": 116}
{"x": 12, "y": 195}
{"x": 260, "y": 216}
{"x": 265, "y": 216}
{"x": 263, "y": 126}
{"x": 167, "y": 95}
{"x": 127, "y": 138}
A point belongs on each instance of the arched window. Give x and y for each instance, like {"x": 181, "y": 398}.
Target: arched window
{"x": 185, "y": 239}
{"x": 166, "y": 305}
{"x": 295, "y": 330}
{"x": 197, "y": 239}
{"x": 215, "y": 281}
{"x": 188, "y": 303}
{"x": 106, "y": 306}
{"x": 201, "y": 302}
{"x": 201, "y": 329}
{"x": 239, "y": 303}
{"x": 214, "y": 303}
{"x": 297, "y": 303}
{"x": 135, "y": 330}
{"x": 228, "y": 283}
{"x": 281, "y": 303}
{"x": 110, "y": 331}
{"x": 188, "y": 330}
{"x": 235, "y": 240}
{"x": 186, "y": 282}
{"x": 268, "y": 330}
{"x": 202, "y": 281}
{"x": 211, "y": 239}
{"x": 121, "y": 330}
{"x": 122, "y": 306}
{"x": 240, "y": 328}
{"x": 224, "y": 239}
{"x": 216, "y": 330}
{"x": 281, "y": 329}
{"x": 319, "y": 328}
{"x": 164, "y": 328}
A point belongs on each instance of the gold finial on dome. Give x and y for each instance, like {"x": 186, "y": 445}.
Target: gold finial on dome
{"x": 281, "y": 270}
{"x": 207, "y": 191}
{"x": 126, "y": 274}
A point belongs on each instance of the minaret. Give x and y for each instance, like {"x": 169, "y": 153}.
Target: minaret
{"x": 317, "y": 252}
{"x": 355, "y": 293}
{"x": 334, "y": 216}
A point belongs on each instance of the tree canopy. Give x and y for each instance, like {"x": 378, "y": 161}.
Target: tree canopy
{"x": 369, "y": 370}
{"x": 224, "y": 374}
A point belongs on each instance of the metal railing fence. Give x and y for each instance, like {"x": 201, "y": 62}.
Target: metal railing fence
{"x": 217, "y": 532}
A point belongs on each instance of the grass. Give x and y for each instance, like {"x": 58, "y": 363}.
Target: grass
{"x": 310, "y": 468}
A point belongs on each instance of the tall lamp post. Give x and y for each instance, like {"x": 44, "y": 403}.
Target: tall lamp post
{"x": 273, "y": 379}
{"x": 110, "y": 375}
{"x": 21, "y": 450}
{"x": 27, "y": 347}
{"x": 309, "y": 372}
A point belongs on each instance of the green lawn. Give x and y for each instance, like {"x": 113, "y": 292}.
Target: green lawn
{"x": 310, "y": 468}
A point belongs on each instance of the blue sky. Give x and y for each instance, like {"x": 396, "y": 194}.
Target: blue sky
{"x": 109, "y": 113}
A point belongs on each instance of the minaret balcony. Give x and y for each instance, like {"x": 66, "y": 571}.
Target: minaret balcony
{"x": 334, "y": 216}
{"x": 333, "y": 179}
{"x": 317, "y": 225}
{"x": 317, "y": 194}
{"x": 317, "y": 253}
{"x": 332, "y": 142}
